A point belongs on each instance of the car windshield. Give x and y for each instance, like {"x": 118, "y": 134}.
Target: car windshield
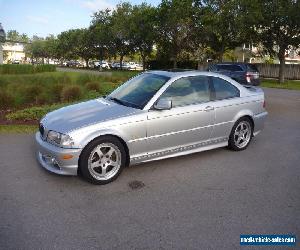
{"x": 138, "y": 91}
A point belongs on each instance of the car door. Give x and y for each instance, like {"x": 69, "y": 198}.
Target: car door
{"x": 227, "y": 103}
{"x": 188, "y": 122}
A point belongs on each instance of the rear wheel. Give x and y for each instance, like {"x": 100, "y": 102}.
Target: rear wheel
{"x": 102, "y": 160}
{"x": 241, "y": 134}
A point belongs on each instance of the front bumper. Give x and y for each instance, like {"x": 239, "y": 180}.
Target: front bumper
{"x": 51, "y": 157}
{"x": 259, "y": 122}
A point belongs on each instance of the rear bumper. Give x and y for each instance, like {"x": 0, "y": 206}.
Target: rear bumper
{"x": 50, "y": 157}
{"x": 259, "y": 122}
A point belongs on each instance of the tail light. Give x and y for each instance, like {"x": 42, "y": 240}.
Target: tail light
{"x": 264, "y": 104}
{"x": 251, "y": 75}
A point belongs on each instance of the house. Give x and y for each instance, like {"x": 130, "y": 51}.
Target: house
{"x": 13, "y": 52}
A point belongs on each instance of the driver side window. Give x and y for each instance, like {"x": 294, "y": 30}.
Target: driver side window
{"x": 188, "y": 90}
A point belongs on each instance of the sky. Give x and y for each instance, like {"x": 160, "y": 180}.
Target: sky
{"x": 44, "y": 17}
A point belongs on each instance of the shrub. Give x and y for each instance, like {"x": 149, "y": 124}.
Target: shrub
{"x": 55, "y": 92}
{"x": 92, "y": 94}
{"x": 26, "y": 68}
{"x": 71, "y": 93}
{"x": 45, "y": 68}
{"x": 6, "y": 100}
{"x": 16, "y": 69}
{"x": 30, "y": 94}
{"x": 93, "y": 86}
{"x": 32, "y": 113}
{"x": 83, "y": 79}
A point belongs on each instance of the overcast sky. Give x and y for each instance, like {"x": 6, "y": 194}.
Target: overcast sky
{"x": 43, "y": 17}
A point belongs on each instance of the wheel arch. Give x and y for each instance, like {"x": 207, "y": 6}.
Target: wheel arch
{"x": 245, "y": 113}
{"x": 92, "y": 138}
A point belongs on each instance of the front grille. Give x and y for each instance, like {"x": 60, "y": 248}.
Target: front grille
{"x": 42, "y": 129}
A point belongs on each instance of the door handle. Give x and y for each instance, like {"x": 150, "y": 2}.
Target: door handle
{"x": 209, "y": 108}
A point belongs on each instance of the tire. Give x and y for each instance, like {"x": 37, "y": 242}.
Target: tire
{"x": 102, "y": 160}
{"x": 241, "y": 134}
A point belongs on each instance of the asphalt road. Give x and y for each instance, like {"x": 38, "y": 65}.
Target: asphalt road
{"x": 202, "y": 201}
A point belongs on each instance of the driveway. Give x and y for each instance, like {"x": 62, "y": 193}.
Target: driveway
{"x": 201, "y": 201}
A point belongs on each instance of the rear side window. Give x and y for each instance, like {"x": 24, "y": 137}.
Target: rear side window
{"x": 229, "y": 67}
{"x": 224, "y": 89}
{"x": 252, "y": 68}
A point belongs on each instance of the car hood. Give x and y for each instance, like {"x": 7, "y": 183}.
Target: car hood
{"x": 83, "y": 114}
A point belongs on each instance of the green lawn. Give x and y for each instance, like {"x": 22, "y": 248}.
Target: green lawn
{"x": 289, "y": 84}
{"x": 17, "y": 129}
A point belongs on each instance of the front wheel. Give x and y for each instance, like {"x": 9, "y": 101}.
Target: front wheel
{"x": 102, "y": 160}
{"x": 241, "y": 134}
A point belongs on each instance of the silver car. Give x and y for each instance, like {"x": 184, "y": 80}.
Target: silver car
{"x": 155, "y": 115}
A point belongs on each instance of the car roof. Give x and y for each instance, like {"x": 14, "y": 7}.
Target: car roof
{"x": 231, "y": 63}
{"x": 181, "y": 73}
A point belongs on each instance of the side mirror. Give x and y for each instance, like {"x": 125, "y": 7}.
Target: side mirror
{"x": 163, "y": 104}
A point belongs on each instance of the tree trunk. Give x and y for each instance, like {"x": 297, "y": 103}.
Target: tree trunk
{"x": 175, "y": 63}
{"x": 87, "y": 62}
{"x": 144, "y": 62}
{"x": 221, "y": 54}
{"x": 282, "y": 65}
{"x": 121, "y": 62}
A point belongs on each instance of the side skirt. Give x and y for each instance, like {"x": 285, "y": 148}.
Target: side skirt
{"x": 178, "y": 151}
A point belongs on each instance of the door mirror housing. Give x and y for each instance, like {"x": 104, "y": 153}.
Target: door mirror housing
{"x": 163, "y": 104}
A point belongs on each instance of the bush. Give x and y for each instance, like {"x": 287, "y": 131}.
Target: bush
{"x": 32, "y": 113}
{"x": 55, "y": 92}
{"x": 30, "y": 93}
{"x": 16, "y": 69}
{"x": 93, "y": 86}
{"x": 44, "y": 68}
{"x": 26, "y": 68}
{"x": 6, "y": 100}
{"x": 92, "y": 94}
{"x": 83, "y": 79}
{"x": 71, "y": 93}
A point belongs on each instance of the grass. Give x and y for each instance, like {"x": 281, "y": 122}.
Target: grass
{"x": 17, "y": 129}
{"x": 288, "y": 84}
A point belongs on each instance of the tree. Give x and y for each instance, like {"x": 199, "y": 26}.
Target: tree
{"x": 220, "y": 25}
{"x": 276, "y": 25}
{"x": 14, "y": 36}
{"x": 36, "y": 49}
{"x": 101, "y": 33}
{"x": 83, "y": 45}
{"x": 50, "y": 47}
{"x": 175, "y": 20}
{"x": 120, "y": 37}
{"x": 76, "y": 43}
{"x": 142, "y": 30}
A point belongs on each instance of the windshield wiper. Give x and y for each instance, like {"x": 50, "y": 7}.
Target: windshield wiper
{"x": 117, "y": 100}
{"x": 124, "y": 103}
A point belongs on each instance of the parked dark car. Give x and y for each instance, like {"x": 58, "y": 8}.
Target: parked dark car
{"x": 73, "y": 64}
{"x": 244, "y": 73}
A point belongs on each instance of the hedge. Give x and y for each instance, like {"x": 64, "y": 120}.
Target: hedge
{"x": 26, "y": 68}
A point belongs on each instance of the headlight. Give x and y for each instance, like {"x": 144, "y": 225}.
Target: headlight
{"x": 59, "y": 139}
